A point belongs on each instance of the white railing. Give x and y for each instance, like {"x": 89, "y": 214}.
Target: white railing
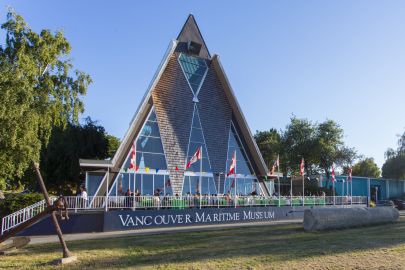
{"x": 77, "y": 203}
{"x": 13, "y": 220}
{"x": 183, "y": 202}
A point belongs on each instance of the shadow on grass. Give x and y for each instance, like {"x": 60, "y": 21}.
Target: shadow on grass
{"x": 276, "y": 243}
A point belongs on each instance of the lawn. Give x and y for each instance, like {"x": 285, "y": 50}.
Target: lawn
{"x": 256, "y": 247}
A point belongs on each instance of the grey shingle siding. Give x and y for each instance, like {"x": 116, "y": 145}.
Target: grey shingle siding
{"x": 173, "y": 103}
{"x": 172, "y": 99}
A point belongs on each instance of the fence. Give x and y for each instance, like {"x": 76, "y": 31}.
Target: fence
{"x": 182, "y": 202}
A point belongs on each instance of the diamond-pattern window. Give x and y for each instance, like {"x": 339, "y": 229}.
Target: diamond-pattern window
{"x": 242, "y": 162}
{"x": 149, "y": 148}
{"x": 196, "y": 141}
{"x": 194, "y": 69}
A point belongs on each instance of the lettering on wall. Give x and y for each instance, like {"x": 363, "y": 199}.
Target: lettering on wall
{"x": 198, "y": 217}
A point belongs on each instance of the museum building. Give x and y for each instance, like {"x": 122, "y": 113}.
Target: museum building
{"x": 188, "y": 106}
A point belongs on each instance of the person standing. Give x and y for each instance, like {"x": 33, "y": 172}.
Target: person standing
{"x": 83, "y": 197}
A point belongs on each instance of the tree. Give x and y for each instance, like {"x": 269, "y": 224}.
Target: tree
{"x": 366, "y": 168}
{"x": 113, "y": 144}
{"x": 269, "y": 143}
{"x": 394, "y": 166}
{"x": 60, "y": 159}
{"x": 298, "y": 141}
{"x": 331, "y": 148}
{"x": 38, "y": 91}
{"x": 320, "y": 145}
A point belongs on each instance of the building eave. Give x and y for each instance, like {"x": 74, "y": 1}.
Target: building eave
{"x": 94, "y": 163}
{"x": 143, "y": 107}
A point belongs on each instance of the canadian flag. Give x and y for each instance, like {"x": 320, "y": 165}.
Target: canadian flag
{"x": 349, "y": 177}
{"x": 333, "y": 173}
{"x": 233, "y": 165}
{"x": 275, "y": 165}
{"x": 302, "y": 166}
{"x": 132, "y": 164}
{"x": 194, "y": 158}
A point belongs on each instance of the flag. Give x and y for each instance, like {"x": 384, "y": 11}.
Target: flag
{"x": 333, "y": 173}
{"x": 194, "y": 158}
{"x": 147, "y": 169}
{"x": 302, "y": 166}
{"x": 276, "y": 164}
{"x": 233, "y": 165}
{"x": 349, "y": 177}
{"x": 132, "y": 164}
{"x": 157, "y": 170}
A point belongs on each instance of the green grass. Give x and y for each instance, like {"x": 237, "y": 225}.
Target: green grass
{"x": 256, "y": 247}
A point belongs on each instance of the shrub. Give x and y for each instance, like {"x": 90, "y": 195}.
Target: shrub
{"x": 14, "y": 202}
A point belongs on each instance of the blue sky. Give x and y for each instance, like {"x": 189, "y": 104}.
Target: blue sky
{"x": 340, "y": 60}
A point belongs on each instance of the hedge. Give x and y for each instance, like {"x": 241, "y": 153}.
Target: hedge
{"x": 14, "y": 202}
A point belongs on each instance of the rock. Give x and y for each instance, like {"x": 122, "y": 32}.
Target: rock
{"x": 336, "y": 218}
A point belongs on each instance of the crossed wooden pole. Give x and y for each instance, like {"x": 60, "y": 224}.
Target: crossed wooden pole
{"x": 58, "y": 205}
{"x": 66, "y": 251}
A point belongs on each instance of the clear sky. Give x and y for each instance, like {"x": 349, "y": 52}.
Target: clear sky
{"x": 340, "y": 60}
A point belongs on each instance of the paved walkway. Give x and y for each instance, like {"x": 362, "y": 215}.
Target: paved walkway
{"x": 101, "y": 235}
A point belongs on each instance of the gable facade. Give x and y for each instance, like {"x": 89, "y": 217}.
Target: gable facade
{"x": 194, "y": 107}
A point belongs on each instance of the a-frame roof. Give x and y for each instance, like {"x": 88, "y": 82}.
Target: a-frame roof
{"x": 190, "y": 31}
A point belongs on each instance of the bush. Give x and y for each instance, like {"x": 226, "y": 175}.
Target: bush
{"x": 14, "y": 202}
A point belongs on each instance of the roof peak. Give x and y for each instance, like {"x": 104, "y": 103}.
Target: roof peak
{"x": 191, "y": 32}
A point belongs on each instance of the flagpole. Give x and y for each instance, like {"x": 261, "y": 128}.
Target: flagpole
{"x": 278, "y": 180}
{"x": 133, "y": 191}
{"x": 290, "y": 188}
{"x": 200, "y": 175}
{"x": 333, "y": 187}
{"x": 343, "y": 189}
{"x": 303, "y": 189}
{"x": 106, "y": 202}
{"x": 234, "y": 188}
{"x": 351, "y": 190}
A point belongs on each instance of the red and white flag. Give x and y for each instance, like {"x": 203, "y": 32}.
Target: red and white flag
{"x": 132, "y": 164}
{"x": 275, "y": 165}
{"x": 349, "y": 177}
{"x": 333, "y": 173}
{"x": 194, "y": 158}
{"x": 233, "y": 165}
{"x": 302, "y": 166}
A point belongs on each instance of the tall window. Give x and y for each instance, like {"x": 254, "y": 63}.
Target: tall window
{"x": 150, "y": 175}
{"x": 245, "y": 182}
{"x": 192, "y": 177}
{"x": 149, "y": 148}
{"x": 195, "y": 69}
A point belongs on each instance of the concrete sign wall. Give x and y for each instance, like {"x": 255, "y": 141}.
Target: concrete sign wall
{"x": 129, "y": 220}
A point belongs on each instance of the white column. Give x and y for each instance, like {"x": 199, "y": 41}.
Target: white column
{"x": 368, "y": 190}
{"x": 106, "y": 198}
